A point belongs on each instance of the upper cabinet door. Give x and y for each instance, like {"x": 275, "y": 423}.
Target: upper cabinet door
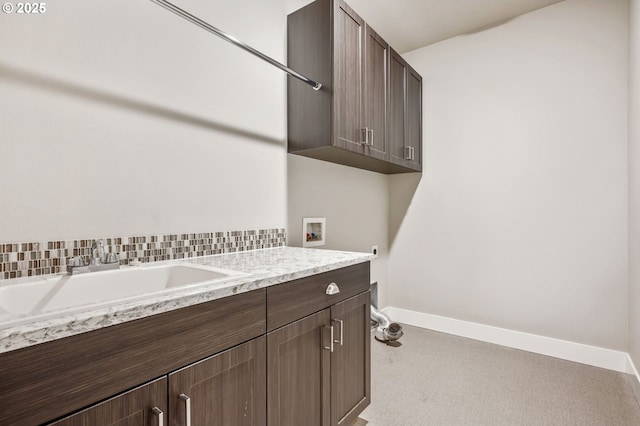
{"x": 405, "y": 113}
{"x": 414, "y": 118}
{"x": 375, "y": 94}
{"x": 348, "y": 49}
{"x": 397, "y": 108}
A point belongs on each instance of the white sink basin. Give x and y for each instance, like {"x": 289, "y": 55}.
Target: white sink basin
{"x": 73, "y": 293}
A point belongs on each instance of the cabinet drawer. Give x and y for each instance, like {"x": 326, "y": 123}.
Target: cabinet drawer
{"x": 291, "y": 301}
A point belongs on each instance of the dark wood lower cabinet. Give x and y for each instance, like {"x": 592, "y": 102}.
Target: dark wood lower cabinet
{"x": 225, "y": 389}
{"x": 351, "y": 359}
{"x": 298, "y": 378}
{"x": 44, "y": 382}
{"x": 313, "y": 372}
{"x": 313, "y": 381}
{"x": 212, "y": 364}
{"x": 142, "y": 406}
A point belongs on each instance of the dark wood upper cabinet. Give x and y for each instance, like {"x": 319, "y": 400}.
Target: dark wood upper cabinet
{"x": 348, "y": 84}
{"x": 397, "y": 108}
{"x": 375, "y": 96}
{"x": 414, "y": 118}
{"x": 405, "y": 117}
{"x": 349, "y": 121}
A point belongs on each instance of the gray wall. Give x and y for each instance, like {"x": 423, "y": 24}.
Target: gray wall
{"x": 354, "y": 202}
{"x": 634, "y": 184}
{"x": 120, "y": 118}
{"x": 520, "y": 219}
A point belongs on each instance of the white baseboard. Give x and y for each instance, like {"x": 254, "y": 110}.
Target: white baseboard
{"x": 632, "y": 367}
{"x": 563, "y": 349}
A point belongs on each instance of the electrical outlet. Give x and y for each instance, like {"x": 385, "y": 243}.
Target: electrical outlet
{"x": 374, "y": 251}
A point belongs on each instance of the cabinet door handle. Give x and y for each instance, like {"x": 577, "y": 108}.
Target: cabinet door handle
{"x": 409, "y": 153}
{"x": 341, "y": 341}
{"x": 187, "y": 408}
{"x": 365, "y": 132}
{"x": 330, "y": 347}
{"x": 370, "y": 142}
{"x": 159, "y": 414}
{"x": 332, "y": 289}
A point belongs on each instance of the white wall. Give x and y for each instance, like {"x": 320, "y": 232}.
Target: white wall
{"x": 354, "y": 202}
{"x": 634, "y": 183}
{"x": 520, "y": 219}
{"x": 120, "y": 118}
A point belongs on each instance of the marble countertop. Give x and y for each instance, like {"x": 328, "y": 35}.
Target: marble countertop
{"x": 262, "y": 268}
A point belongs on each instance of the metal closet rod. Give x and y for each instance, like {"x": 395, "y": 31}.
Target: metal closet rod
{"x": 199, "y": 22}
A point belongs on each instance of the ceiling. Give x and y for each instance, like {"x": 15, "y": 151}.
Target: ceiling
{"x": 409, "y": 24}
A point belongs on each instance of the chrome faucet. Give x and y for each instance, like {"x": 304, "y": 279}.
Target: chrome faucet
{"x": 97, "y": 253}
{"x": 100, "y": 260}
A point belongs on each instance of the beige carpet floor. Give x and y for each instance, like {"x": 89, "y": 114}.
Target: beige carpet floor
{"x": 438, "y": 379}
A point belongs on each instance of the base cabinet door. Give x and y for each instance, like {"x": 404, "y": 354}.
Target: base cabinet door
{"x": 350, "y": 359}
{"x": 143, "y": 406}
{"x": 225, "y": 389}
{"x": 318, "y": 368}
{"x": 298, "y": 371}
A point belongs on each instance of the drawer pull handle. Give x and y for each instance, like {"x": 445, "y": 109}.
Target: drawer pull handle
{"x": 333, "y": 289}
{"x": 159, "y": 414}
{"x": 187, "y": 407}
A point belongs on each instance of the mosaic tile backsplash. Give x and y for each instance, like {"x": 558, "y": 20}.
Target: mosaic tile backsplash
{"x": 28, "y": 259}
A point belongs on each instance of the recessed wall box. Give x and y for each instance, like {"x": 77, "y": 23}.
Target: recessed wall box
{"x": 313, "y": 231}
